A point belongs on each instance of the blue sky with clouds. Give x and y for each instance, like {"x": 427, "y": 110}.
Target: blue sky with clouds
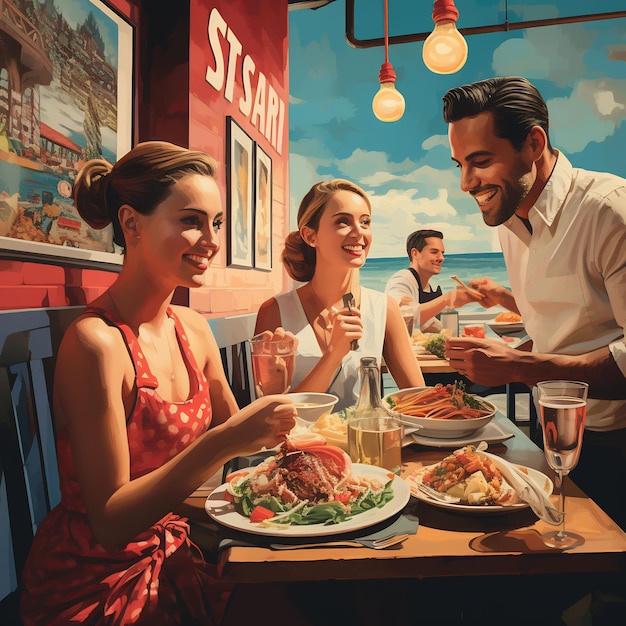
{"x": 405, "y": 166}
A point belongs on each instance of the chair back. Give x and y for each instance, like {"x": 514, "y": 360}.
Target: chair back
{"x": 232, "y": 334}
{"x": 29, "y": 480}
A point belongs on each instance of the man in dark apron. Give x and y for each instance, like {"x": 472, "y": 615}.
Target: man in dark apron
{"x": 411, "y": 286}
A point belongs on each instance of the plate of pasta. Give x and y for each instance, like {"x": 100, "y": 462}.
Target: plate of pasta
{"x": 442, "y": 411}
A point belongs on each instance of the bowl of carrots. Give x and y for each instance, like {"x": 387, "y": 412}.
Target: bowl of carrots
{"x": 442, "y": 411}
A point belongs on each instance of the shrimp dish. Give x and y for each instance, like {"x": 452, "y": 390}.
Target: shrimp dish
{"x": 470, "y": 476}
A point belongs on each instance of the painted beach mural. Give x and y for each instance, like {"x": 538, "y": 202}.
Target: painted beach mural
{"x": 405, "y": 166}
{"x": 63, "y": 99}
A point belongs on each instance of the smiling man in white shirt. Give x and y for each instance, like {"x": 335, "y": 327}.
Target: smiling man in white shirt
{"x": 412, "y": 286}
{"x": 563, "y": 235}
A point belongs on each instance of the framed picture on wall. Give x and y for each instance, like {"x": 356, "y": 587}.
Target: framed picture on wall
{"x": 262, "y": 210}
{"x": 239, "y": 195}
{"x": 56, "y": 112}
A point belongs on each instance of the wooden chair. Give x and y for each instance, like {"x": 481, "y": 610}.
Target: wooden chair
{"x": 232, "y": 334}
{"x": 29, "y": 481}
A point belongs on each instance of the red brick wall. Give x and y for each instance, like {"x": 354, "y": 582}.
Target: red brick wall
{"x": 262, "y": 40}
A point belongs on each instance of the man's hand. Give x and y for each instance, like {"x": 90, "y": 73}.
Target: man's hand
{"x": 495, "y": 294}
{"x": 486, "y": 362}
{"x": 460, "y": 297}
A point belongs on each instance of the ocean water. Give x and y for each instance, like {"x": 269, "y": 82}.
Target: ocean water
{"x": 375, "y": 273}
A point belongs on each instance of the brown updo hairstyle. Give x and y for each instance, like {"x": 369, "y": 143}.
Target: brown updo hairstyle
{"x": 141, "y": 178}
{"x": 299, "y": 257}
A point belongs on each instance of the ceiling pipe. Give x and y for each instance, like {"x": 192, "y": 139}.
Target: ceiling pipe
{"x": 477, "y": 30}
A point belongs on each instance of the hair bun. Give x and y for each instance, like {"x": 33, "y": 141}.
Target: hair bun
{"x": 90, "y": 193}
{"x": 298, "y": 258}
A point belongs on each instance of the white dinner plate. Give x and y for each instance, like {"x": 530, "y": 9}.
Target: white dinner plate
{"x": 222, "y": 511}
{"x": 491, "y": 433}
{"x": 540, "y": 479}
{"x": 505, "y": 328}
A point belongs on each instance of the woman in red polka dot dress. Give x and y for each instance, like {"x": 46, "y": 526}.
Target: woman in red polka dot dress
{"x": 143, "y": 410}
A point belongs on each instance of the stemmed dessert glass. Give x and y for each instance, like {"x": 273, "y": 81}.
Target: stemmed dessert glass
{"x": 563, "y": 405}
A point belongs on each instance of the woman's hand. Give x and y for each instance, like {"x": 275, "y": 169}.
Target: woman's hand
{"x": 347, "y": 326}
{"x": 288, "y": 340}
{"x": 266, "y": 422}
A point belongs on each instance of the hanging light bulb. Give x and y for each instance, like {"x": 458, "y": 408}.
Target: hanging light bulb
{"x": 388, "y": 103}
{"x": 445, "y": 50}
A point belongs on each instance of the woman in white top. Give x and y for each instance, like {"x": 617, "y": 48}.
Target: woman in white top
{"x": 326, "y": 252}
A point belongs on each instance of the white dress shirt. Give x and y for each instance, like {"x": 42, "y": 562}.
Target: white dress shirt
{"x": 569, "y": 276}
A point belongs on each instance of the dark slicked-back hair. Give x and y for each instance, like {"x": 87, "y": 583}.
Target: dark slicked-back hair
{"x": 516, "y": 105}
{"x": 418, "y": 238}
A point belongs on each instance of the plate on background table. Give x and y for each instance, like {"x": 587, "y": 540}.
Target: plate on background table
{"x": 491, "y": 433}
{"x": 505, "y": 328}
{"x": 222, "y": 511}
{"x": 540, "y": 479}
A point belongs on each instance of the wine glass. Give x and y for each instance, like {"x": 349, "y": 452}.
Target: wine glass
{"x": 563, "y": 405}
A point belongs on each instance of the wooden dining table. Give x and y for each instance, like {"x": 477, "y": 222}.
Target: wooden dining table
{"x": 447, "y": 543}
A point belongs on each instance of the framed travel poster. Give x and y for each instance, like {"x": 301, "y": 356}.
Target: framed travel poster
{"x": 262, "y": 210}
{"x": 239, "y": 195}
{"x": 57, "y": 110}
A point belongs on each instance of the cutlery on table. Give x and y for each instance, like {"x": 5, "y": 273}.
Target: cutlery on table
{"x": 437, "y": 495}
{"x": 376, "y": 544}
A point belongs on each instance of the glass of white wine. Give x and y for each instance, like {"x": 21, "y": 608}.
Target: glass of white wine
{"x": 563, "y": 405}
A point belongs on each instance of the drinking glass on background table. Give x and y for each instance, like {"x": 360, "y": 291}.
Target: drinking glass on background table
{"x": 408, "y": 314}
{"x": 272, "y": 364}
{"x": 563, "y": 405}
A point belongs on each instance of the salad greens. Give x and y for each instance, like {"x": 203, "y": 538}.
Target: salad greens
{"x": 436, "y": 345}
{"x": 304, "y": 513}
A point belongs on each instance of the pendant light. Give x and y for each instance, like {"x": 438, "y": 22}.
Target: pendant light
{"x": 388, "y": 103}
{"x": 445, "y": 50}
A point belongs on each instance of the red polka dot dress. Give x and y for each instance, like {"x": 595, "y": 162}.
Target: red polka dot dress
{"x": 159, "y": 578}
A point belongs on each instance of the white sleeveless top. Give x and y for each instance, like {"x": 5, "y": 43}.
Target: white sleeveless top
{"x": 346, "y": 385}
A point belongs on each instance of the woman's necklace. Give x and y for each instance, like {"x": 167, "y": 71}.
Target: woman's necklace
{"x": 147, "y": 338}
